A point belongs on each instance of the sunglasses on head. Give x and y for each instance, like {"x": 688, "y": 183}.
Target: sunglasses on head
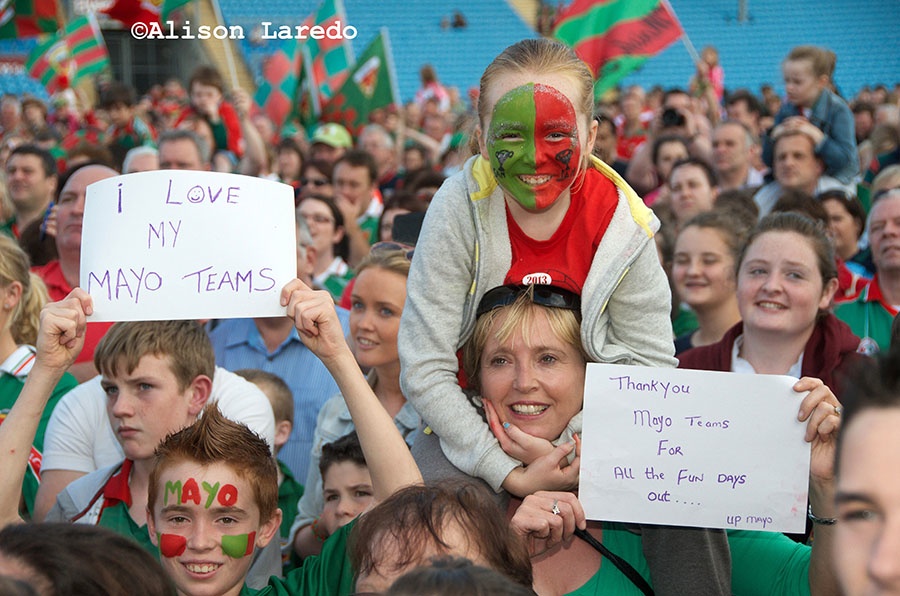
{"x": 543, "y": 295}
{"x": 398, "y": 246}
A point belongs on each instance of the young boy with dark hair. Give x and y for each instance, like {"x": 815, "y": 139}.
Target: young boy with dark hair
{"x": 128, "y": 130}
{"x": 346, "y": 485}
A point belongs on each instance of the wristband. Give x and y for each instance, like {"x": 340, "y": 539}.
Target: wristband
{"x": 822, "y": 521}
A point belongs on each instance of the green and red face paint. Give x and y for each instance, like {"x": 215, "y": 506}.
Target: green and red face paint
{"x": 533, "y": 144}
{"x": 235, "y": 546}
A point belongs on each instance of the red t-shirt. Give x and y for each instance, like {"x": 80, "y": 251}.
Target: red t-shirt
{"x": 564, "y": 259}
{"x": 58, "y": 289}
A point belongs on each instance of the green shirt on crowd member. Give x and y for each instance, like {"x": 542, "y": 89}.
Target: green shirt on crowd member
{"x": 869, "y": 317}
{"x": 13, "y": 373}
{"x": 328, "y": 573}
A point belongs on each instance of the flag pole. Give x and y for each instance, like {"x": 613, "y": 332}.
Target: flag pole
{"x": 229, "y": 57}
{"x": 392, "y": 73}
{"x": 684, "y": 36}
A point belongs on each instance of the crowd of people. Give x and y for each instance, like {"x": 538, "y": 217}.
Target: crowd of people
{"x": 412, "y": 425}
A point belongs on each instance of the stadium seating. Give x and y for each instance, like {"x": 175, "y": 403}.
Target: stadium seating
{"x": 864, "y": 34}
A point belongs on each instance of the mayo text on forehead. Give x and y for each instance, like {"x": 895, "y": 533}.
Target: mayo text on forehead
{"x": 189, "y": 490}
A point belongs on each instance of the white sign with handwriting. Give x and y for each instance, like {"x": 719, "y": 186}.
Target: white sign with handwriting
{"x": 187, "y": 245}
{"x": 693, "y": 448}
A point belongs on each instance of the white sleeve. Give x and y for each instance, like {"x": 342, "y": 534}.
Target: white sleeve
{"x": 242, "y": 401}
{"x": 79, "y": 437}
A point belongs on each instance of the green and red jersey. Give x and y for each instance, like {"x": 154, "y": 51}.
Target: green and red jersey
{"x": 13, "y": 372}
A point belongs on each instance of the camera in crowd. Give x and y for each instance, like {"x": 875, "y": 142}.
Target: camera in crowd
{"x": 672, "y": 118}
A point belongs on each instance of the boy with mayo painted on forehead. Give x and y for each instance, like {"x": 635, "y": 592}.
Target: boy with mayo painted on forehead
{"x": 211, "y": 496}
{"x": 157, "y": 377}
{"x": 534, "y": 207}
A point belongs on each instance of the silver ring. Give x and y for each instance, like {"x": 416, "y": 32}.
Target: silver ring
{"x": 555, "y": 510}
{"x": 838, "y": 410}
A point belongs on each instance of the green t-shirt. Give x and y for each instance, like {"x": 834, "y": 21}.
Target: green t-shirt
{"x": 762, "y": 564}
{"x": 114, "y": 496}
{"x": 116, "y": 518}
{"x": 869, "y": 318}
{"x": 335, "y": 284}
{"x": 685, "y": 322}
{"x": 7, "y": 227}
{"x": 12, "y": 379}
{"x": 327, "y": 574}
{"x": 289, "y": 493}
{"x": 370, "y": 225}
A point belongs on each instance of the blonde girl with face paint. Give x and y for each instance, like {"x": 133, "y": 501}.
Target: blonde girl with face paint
{"x": 533, "y": 207}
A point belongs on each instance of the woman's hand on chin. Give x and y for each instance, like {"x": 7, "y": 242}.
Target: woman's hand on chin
{"x": 822, "y": 412}
{"x": 515, "y": 442}
{"x": 548, "y": 472}
{"x": 546, "y": 519}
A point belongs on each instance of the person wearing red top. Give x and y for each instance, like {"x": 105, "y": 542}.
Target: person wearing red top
{"x": 562, "y": 259}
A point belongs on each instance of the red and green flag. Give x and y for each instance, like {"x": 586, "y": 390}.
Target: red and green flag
{"x": 275, "y": 96}
{"x": 330, "y": 59}
{"x": 370, "y": 86}
{"x": 49, "y": 63}
{"x": 307, "y": 105}
{"x": 28, "y": 18}
{"x": 70, "y": 55}
{"x": 86, "y": 47}
{"x": 614, "y": 37}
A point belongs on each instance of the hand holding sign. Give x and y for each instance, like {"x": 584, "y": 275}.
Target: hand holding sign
{"x": 187, "y": 245}
{"x": 696, "y": 448}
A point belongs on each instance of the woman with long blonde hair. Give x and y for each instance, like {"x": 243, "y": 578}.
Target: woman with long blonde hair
{"x": 22, "y": 295}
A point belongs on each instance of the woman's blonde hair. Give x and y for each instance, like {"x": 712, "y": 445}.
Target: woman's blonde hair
{"x": 518, "y": 316}
{"x": 396, "y": 260}
{"x": 25, "y": 316}
{"x": 538, "y": 57}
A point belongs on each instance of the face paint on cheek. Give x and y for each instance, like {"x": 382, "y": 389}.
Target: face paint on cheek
{"x": 533, "y": 144}
{"x": 171, "y": 545}
{"x": 238, "y": 545}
